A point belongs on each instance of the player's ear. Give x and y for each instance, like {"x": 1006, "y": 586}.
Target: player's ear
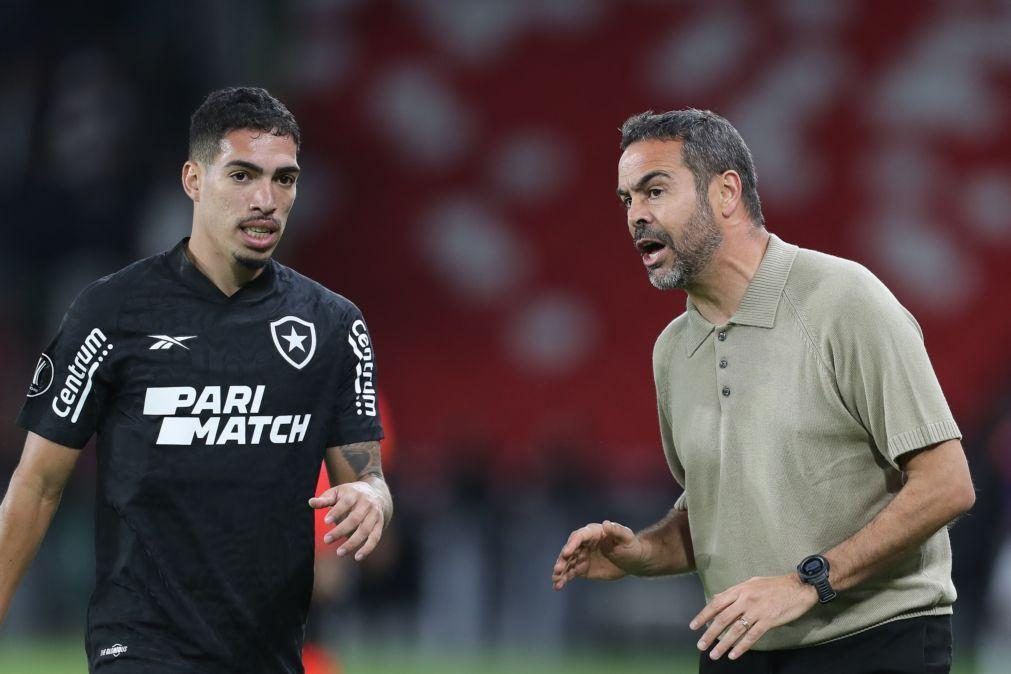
{"x": 192, "y": 174}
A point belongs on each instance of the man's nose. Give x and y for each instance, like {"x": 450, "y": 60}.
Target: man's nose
{"x": 263, "y": 199}
{"x": 639, "y": 215}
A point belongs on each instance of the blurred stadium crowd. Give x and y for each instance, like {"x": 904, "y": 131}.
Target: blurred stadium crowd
{"x": 459, "y": 166}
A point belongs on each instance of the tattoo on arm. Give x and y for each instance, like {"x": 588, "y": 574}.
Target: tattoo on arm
{"x": 360, "y": 461}
{"x": 364, "y": 458}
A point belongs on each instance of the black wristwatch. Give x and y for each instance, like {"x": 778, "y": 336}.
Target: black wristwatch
{"x": 814, "y": 571}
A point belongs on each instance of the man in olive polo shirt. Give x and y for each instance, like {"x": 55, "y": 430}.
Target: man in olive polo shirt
{"x": 800, "y": 413}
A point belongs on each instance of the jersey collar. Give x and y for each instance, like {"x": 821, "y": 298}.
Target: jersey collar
{"x": 260, "y": 287}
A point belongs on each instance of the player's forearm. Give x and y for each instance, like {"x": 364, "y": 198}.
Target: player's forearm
{"x": 25, "y": 515}
{"x": 379, "y": 484}
{"x": 667, "y": 546}
{"x": 925, "y": 503}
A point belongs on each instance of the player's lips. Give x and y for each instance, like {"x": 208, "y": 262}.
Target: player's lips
{"x": 260, "y": 233}
{"x": 651, "y": 251}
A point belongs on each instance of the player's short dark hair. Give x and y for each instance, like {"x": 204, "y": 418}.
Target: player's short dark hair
{"x": 226, "y": 110}
{"x": 710, "y": 145}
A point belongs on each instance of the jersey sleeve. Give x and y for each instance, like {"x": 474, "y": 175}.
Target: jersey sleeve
{"x": 356, "y": 414}
{"x": 69, "y": 391}
{"x": 884, "y": 374}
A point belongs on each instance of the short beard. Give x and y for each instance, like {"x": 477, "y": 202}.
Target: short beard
{"x": 251, "y": 263}
{"x": 692, "y": 253}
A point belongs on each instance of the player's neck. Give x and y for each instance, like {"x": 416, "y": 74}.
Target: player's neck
{"x": 222, "y": 270}
{"x": 722, "y": 285}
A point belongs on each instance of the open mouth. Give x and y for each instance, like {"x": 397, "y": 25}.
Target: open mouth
{"x": 259, "y": 233}
{"x": 647, "y": 246}
{"x": 651, "y": 251}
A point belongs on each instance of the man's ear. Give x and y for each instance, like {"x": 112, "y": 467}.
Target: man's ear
{"x": 730, "y": 192}
{"x": 193, "y": 174}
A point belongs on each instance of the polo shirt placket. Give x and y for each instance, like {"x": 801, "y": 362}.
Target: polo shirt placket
{"x": 722, "y": 377}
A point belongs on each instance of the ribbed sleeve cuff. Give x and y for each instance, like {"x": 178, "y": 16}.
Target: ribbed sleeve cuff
{"x": 924, "y": 436}
{"x": 682, "y": 502}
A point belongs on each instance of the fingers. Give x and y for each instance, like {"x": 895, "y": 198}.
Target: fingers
{"x": 324, "y": 500}
{"x": 713, "y": 608}
{"x": 749, "y": 639}
{"x": 344, "y": 501}
{"x": 565, "y": 570}
{"x": 346, "y": 524}
{"x": 738, "y": 629}
{"x": 720, "y": 613}
{"x": 364, "y": 538}
{"x": 358, "y": 519}
{"x": 574, "y": 559}
{"x": 591, "y": 533}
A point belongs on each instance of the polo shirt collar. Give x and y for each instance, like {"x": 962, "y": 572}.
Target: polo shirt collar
{"x": 761, "y": 299}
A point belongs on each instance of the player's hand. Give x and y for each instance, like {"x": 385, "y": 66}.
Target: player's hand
{"x": 763, "y": 603}
{"x": 356, "y": 508}
{"x": 604, "y": 551}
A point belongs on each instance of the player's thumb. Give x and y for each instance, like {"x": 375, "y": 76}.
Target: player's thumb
{"x": 324, "y": 500}
{"x": 618, "y": 533}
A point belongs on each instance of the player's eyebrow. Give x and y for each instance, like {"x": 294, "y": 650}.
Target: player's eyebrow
{"x": 643, "y": 181}
{"x": 250, "y": 166}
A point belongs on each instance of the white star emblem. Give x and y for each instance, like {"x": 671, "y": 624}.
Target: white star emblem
{"x": 294, "y": 340}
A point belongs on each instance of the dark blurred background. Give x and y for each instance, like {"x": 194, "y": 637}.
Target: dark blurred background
{"x": 459, "y": 165}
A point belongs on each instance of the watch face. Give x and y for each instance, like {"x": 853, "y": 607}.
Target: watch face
{"x": 813, "y": 566}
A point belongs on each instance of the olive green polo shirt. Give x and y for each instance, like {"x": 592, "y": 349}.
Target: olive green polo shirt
{"x": 785, "y": 425}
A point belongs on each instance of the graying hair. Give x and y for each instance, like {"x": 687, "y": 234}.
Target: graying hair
{"x": 710, "y": 145}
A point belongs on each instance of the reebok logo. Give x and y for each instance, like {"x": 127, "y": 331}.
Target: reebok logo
{"x": 244, "y": 426}
{"x": 166, "y": 342}
{"x": 77, "y": 385}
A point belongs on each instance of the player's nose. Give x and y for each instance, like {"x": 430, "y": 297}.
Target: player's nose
{"x": 263, "y": 199}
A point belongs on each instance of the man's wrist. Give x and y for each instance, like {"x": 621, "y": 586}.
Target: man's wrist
{"x": 809, "y": 591}
{"x": 814, "y": 571}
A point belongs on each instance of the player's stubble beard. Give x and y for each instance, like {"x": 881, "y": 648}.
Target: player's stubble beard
{"x": 692, "y": 253}
{"x": 251, "y": 263}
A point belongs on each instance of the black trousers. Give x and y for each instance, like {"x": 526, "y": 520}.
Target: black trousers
{"x": 920, "y": 645}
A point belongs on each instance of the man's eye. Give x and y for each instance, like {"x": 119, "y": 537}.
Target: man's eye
{"x": 655, "y": 192}
{"x": 627, "y": 202}
{"x": 286, "y": 180}
{"x": 240, "y": 176}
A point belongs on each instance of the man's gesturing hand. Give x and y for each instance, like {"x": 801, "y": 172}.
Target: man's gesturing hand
{"x": 357, "y": 512}
{"x": 739, "y": 616}
{"x": 605, "y": 551}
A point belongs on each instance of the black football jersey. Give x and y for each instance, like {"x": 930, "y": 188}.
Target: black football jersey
{"x": 212, "y": 414}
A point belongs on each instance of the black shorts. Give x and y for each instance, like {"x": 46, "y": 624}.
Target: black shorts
{"x": 921, "y": 645}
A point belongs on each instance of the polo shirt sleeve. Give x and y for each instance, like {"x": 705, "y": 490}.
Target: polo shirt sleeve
{"x": 70, "y": 388}
{"x": 356, "y": 413}
{"x": 884, "y": 374}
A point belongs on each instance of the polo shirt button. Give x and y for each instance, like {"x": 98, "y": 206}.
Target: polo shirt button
{"x": 723, "y": 362}
{"x": 726, "y": 391}
{"x": 722, "y": 335}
